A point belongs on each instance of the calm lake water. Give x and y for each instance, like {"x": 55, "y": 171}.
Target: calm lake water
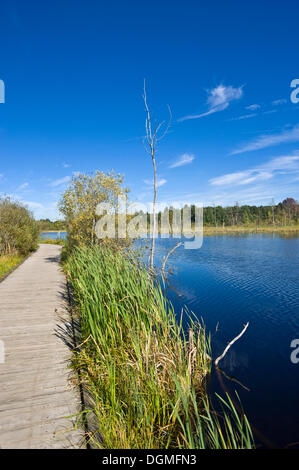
{"x": 53, "y": 235}
{"x": 232, "y": 280}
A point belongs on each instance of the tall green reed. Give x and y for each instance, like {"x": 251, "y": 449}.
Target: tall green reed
{"x": 145, "y": 375}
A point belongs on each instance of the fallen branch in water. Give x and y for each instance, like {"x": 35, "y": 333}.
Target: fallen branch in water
{"x": 230, "y": 344}
{"x": 168, "y": 254}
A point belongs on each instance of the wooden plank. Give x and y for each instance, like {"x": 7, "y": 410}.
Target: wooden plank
{"x": 37, "y": 398}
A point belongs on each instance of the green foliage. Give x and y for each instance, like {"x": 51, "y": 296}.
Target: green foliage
{"x": 8, "y": 262}
{"x": 145, "y": 375}
{"x": 79, "y": 201}
{"x": 18, "y": 229}
{"x": 46, "y": 225}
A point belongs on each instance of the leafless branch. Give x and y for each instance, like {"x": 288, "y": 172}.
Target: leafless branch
{"x": 150, "y": 143}
{"x": 168, "y": 254}
{"x": 230, "y": 344}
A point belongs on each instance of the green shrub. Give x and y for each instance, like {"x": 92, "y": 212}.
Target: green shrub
{"x": 18, "y": 229}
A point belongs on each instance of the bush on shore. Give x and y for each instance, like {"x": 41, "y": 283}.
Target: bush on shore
{"x": 18, "y": 230}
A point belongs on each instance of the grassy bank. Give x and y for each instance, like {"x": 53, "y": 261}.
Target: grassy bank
{"x": 54, "y": 231}
{"x": 239, "y": 229}
{"x": 250, "y": 229}
{"x": 49, "y": 241}
{"x": 144, "y": 375}
{"x": 8, "y": 262}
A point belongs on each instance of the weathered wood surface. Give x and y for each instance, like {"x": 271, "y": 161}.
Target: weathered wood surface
{"x": 36, "y": 395}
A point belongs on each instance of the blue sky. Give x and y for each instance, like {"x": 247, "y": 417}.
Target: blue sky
{"x": 73, "y": 74}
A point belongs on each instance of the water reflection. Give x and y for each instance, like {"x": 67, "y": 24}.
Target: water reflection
{"x": 229, "y": 281}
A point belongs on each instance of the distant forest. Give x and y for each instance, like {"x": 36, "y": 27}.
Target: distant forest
{"x": 282, "y": 214}
{"x": 46, "y": 224}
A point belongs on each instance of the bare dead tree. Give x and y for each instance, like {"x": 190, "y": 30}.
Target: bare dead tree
{"x": 154, "y": 132}
{"x": 273, "y": 206}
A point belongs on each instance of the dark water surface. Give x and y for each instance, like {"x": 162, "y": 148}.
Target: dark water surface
{"x": 232, "y": 280}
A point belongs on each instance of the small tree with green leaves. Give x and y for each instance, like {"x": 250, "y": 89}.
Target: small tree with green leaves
{"x": 79, "y": 202}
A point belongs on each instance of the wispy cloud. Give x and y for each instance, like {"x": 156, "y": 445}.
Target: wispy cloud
{"x": 270, "y": 111}
{"x": 278, "y": 165}
{"x": 253, "y": 107}
{"x": 46, "y": 210}
{"x": 279, "y": 102}
{"x": 263, "y": 141}
{"x": 184, "y": 159}
{"x": 241, "y": 177}
{"x": 245, "y": 116}
{"x": 32, "y": 204}
{"x": 23, "y": 186}
{"x": 58, "y": 182}
{"x": 65, "y": 165}
{"x": 218, "y": 99}
{"x": 160, "y": 182}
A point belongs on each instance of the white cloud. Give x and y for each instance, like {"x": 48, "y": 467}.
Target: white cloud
{"x": 160, "y": 182}
{"x": 253, "y": 107}
{"x": 279, "y": 102}
{"x": 245, "y": 116}
{"x": 271, "y": 111}
{"x": 241, "y": 177}
{"x": 23, "y": 186}
{"x": 263, "y": 141}
{"x": 184, "y": 159}
{"x": 288, "y": 162}
{"x": 279, "y": 165}
{"x": 43, "y": 211}
{"x": 66, "y": 165}
{"x": 64, "y": 180}
{"x": 33, "y": 205}
{"x": 219, "y": 99}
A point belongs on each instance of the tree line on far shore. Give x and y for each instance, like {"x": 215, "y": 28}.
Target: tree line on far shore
{"x": 286, "y": 213}
{"x": 45, "y": 225}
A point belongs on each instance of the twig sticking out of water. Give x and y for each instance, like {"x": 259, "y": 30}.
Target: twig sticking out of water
{"x": 168, "y": 254}
{"x": 230, "y": 344}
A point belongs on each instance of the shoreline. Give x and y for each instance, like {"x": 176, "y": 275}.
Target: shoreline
{"x": 240, "y": 229}
{"x": 237, "y": 230}
{"x": 52, "y": 231}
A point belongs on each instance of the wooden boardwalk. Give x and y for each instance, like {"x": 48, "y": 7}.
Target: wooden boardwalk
{"x": 36, "y": 397}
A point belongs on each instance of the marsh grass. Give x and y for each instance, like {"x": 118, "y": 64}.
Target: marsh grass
{"x": 144, "y": 375}
{"x": 239, "y": 229}
{"x": 8, "y": 262}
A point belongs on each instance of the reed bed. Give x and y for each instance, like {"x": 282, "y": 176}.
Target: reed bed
{"x": 145, "y": 375}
